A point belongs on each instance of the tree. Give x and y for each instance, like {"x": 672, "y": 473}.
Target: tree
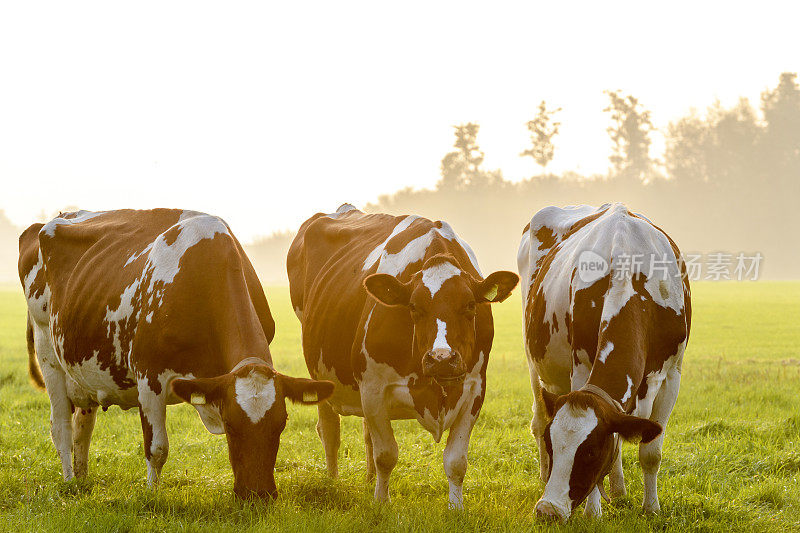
{"x": 630, "y": 133}
{"x": 781, "y": 108}
{"x": 720, "y": 149}
{"x": 462, "y": 167}
{"x": 543, "y": 130}
{"x": 685, "y": 156}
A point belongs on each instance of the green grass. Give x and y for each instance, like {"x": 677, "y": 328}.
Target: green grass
{"x": 731, "y": 455}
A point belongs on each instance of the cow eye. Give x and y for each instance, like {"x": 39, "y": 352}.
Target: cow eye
{"x": 415, "y": 311}
{"x": 470, "y": 308}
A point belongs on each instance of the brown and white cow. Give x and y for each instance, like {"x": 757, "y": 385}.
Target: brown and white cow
{"x": 149, "y": 308}
{"x": 607, "y": 316}
{"x": 396, "y": 313}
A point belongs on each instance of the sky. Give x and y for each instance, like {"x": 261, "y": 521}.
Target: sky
{"x": 265, "y": 113}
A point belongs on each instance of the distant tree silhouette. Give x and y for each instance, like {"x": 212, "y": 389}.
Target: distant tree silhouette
{"x": 734, "y": 185}
{"x": 685, "y": 155}
{"x": 781, "y": 109}
{"x": 734, "y": 136}
{"x": 630, "y": 132}
{"x": 542, "y": 129}
{"x": 462, "y": 167}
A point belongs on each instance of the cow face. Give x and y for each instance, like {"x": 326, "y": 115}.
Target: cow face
{"x": 443, "y": 301}
{"x": 249, "y": 407}
{"x": 581, "y": 445}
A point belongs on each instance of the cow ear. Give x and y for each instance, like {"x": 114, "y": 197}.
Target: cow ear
{"x": 634, "y": 428}
{"x": 496, "y": 287}
{"x": 204, "y": 395}
{"x": 388, "y": 290}
{"x": 549, "y": 400}
{"x": 305, "y": 391}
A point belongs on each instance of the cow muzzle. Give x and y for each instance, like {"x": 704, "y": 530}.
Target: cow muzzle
{"x": 551, "y": 511}
{"x": 443, "y": 365}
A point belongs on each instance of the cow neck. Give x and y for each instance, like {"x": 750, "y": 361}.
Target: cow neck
{"x": 597, "y": 391}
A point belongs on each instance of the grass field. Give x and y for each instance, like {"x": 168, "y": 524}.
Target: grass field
{"x": 731, "y": 455}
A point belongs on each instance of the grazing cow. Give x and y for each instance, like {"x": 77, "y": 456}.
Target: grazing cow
{"x": 149, "y": 308}
{"x": 607, "y": 315}
{"x": 396, "y": 313}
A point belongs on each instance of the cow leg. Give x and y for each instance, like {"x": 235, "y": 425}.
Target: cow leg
{"x": 60, "y": 406}
{"x": 616, "y": 478}
{"x": 384, "y": 446}
{"x": 593, "y": 508}
{"x": 538, "y": 423}
{"x": 82, "y": 427}
{"x": 329, "y": 431}
{"x": 369, "y": 454}
{"x": 153, "y": 413}
{"x": 650, "y": 453}
{"x": 455, "y": 456}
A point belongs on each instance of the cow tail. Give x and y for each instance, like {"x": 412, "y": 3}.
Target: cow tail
{"x": 33, "y": 364}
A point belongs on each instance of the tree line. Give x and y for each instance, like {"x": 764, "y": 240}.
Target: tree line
{"x": 728, "y": 181}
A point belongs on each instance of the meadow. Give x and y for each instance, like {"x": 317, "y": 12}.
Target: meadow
{"x": 731, "y": 455}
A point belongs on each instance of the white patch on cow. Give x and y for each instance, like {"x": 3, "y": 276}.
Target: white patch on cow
{"x": 80, "y": 216}
{"x": 434, "y": 277}
{"x": 607, "y": 349}
{"x": 440, "y": 343}
{"x": 628, "y": 392}
{"x": 119, "y": 315}
{"x": 164, "y": 259}
{"x": 36, "y": 304}
{"x": 149, "y": 317}
{"x": 655, "y": 381}
{"x": 90, "y": 384}
{"x": 344, "y": 208}
{"x": 414, "y": 250}
{"x": 569, "y": 429}
{"x": 30, "y": 277}
{"x": 581, "y": 370}
{"x": 378, "y": 251}
{"x": 255, "y": 394}
{"x": 138, "y": 254}
{"x": 366, "y": 331}
{"x": 449, "y": 233}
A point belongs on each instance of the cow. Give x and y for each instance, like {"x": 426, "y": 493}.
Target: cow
{"x": 607, "y": 313}
{"x": 148, "y": 308}
{"x": 395, "y": 312}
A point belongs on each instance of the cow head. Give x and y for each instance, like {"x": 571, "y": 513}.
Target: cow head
{"x": 443, "y": 301}
{"x": 248, "y": 406}
{"x": 581, "y": 445}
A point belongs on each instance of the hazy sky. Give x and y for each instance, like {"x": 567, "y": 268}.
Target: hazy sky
{"x": 265, "y": 114}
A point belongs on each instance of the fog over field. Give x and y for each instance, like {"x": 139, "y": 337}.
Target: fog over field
{"x": 728, "y": 183}
{"x": 264, "y": 114}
